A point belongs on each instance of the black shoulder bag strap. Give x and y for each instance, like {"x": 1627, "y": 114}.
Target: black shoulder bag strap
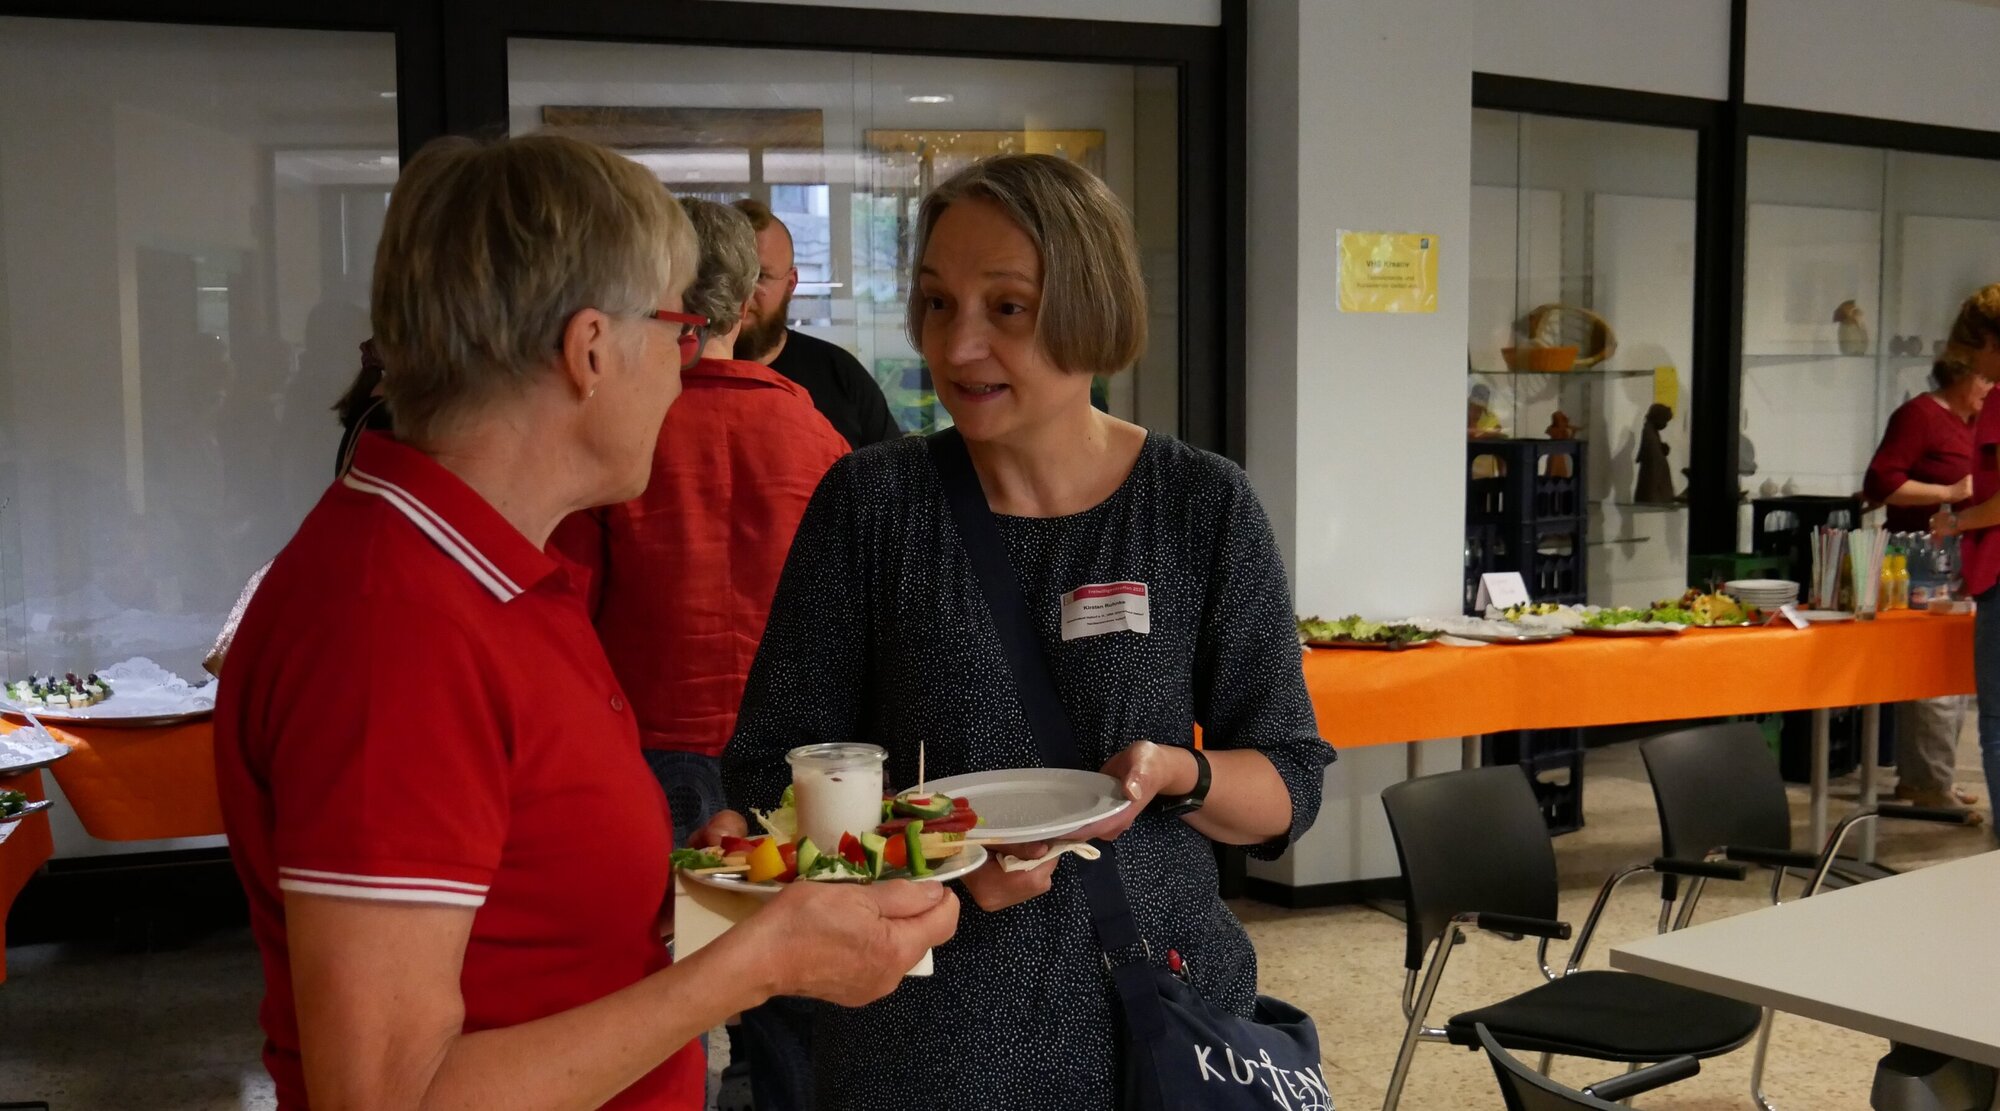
{"x": 1125, "y": 952}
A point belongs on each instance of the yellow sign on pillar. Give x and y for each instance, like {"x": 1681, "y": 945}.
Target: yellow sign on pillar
{"x": 1388, "y": 272}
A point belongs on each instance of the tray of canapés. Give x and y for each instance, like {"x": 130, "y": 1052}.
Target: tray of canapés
{"x": 46, "y": 693}
{"x": 147, "y": 696}
{"x": 1356, "y": 632}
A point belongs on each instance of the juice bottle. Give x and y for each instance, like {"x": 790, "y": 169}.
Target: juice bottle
{"x": 1902, "y": 581}
{"x": 1885, "y": 594}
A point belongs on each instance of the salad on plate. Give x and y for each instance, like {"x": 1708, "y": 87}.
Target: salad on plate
{"x": 1354, "y": 631}
{"x": 917, "y": 831}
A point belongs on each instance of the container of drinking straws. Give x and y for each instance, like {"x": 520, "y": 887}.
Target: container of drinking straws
{"x": 1866, "y": 548}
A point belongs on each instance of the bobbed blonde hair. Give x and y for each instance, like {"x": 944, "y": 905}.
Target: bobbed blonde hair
{"x": 1092, "y": 317}
{"x": 490, "y": 247}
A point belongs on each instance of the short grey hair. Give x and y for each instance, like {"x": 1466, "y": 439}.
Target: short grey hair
{"x": 1093, "y": 304}
{"x": 489, "y": 248}
{"x": 726, "y": 276}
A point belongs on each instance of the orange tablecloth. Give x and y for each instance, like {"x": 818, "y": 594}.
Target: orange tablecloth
{"x": 1372, "y": 698}
{"x": 24, "y": 851}
{"x": 141, "y": 784}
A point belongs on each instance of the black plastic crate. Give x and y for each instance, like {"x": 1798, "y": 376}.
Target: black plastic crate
{"x": 1843, "y": 753}
{"x": 1520, "y": 488}
{"x": 1482, "y": 542}
{"x": 1558, "y": 785}
{"x": 1520, "y": 746}
{"x": 1549, "y": 555}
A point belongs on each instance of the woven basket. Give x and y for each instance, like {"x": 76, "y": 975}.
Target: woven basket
{"x": 1541, "y": 359}
{"x": 1566, "y": 325}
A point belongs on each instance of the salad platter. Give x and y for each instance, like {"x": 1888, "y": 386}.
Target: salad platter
{"x": 922, "y": 836}
{"x": 1488, "y": 631}
{"x": 15, "y": 804}
{"x": 1354, "y": 631}
{"x": 1706, "y": 611}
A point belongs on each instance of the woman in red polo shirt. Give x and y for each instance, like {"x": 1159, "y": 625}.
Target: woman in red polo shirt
{"x": 456, "y": 862}
{"x": 1924, "y": 461}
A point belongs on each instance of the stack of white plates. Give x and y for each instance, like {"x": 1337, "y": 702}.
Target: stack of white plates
{"x": 1765, "y": 594}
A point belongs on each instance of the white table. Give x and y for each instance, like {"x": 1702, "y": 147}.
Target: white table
{"x": 1863, "y": 957}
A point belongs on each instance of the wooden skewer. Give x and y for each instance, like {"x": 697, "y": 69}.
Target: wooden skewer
{"x": 725, "y": 870}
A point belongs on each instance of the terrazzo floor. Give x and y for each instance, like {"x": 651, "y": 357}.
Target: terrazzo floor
{"x": 88, "y": 1028}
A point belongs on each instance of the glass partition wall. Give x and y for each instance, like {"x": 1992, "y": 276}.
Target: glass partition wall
{"x": 1856, "y": 261}
{"x": 188, "y": 219}
{"x": 1583, "y": 240}
{"x": 843, "y": 147}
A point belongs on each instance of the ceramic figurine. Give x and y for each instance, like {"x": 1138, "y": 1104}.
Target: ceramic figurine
{"x": 1769, "y": 489}
{"x": 1560, "y": 429}
{"x": 1656, "y": 480}
{"x": 1481, "y": 423}
{"x": 1853, "y": 333}
{"x": 1790, "y": 488}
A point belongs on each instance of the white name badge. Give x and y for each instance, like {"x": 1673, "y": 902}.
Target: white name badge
{"x": 1500, "y": 589}
{"x": 1106, "y": 608}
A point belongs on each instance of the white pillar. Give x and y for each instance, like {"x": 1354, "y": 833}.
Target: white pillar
{"x": 1360, "y": 120}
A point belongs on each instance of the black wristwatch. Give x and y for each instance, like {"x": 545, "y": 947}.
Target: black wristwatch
{"x": 1176, "y": 805}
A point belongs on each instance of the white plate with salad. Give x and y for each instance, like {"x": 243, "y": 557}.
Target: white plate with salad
{"x": 966, "y": 859}
{"x": 922, "y": 836}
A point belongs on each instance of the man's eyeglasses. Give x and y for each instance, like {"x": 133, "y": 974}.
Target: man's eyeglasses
{"x": 693, "y": 334}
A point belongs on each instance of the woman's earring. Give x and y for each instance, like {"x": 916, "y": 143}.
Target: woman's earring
{"x": 591, "y": 394}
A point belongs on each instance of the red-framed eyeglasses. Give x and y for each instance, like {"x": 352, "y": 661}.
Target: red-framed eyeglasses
{"x": 691, "y": 334}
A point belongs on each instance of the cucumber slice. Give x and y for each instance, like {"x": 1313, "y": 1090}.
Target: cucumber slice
{"x": 924, "y": 806}
{"x": 872, "y": 846}
{"x": 913, "y": 838}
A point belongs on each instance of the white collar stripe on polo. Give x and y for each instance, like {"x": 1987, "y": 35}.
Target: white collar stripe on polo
{"x": 439, "y": 530}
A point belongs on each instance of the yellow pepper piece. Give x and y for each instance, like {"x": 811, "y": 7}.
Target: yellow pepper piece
{"x": 765, "y": 863}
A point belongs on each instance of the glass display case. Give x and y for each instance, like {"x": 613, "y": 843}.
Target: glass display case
{"x": 1856, "y": 261}
{"x": 1581, "y": 325}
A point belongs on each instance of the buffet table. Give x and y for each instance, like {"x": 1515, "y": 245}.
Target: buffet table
{"x": 25, "y": 850}
{"x": 1372, "y": 698}
{"x": 142, "y": 784}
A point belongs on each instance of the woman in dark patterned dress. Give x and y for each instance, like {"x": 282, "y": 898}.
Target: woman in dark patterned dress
{"x": 1027, "y": 286}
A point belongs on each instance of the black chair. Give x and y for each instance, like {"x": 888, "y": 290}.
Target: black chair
{"x": 1476, "y": 853}
{"x": 1524, "y": 1089}
{"x": 1720, "y": 795}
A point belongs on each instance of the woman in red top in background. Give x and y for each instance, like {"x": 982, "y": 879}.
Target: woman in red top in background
{"x": 1925, "y": 461}
{"x": 684, "y": 573}
{"x": 1975, "y": 338}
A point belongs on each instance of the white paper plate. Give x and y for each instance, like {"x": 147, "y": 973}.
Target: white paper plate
{"x": 1828, "y": 616}
{"x": 1034, "y": 804}
{"x": 968, "y": 858}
